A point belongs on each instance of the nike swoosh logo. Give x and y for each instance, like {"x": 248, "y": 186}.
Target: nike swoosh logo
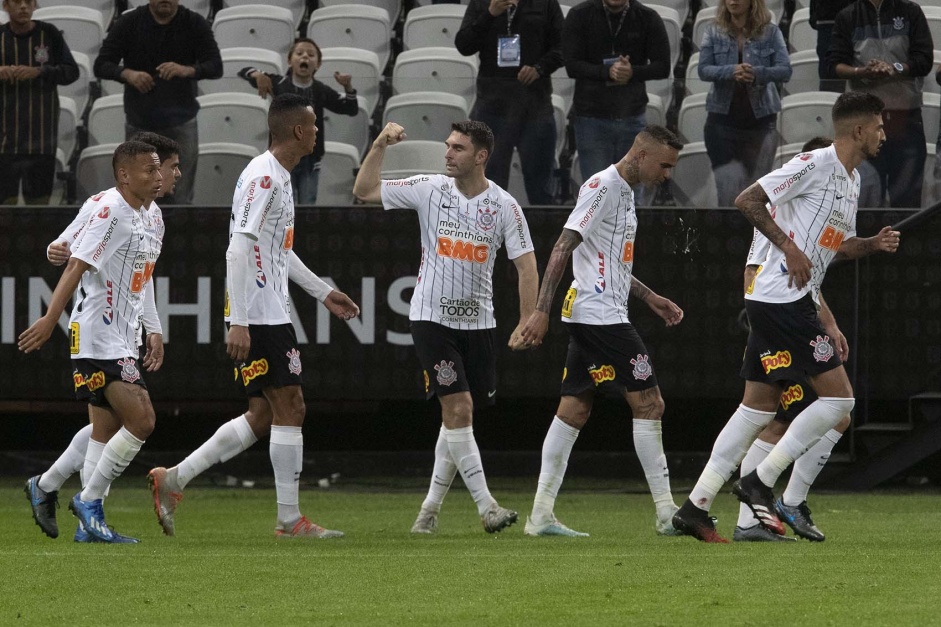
{"x": 491, "y": 393}
{"x": 838, "y": 197}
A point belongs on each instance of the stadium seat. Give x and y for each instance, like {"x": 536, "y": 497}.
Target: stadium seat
{"x": 57, "y": 197}
{"x": 930, "y": 83}
{"x": 674, "y": 27}
{"x": 105, "y": 6}
{"x": 931, "y": 188}
{"x": 680, "y": 6}
{"x": 4, "y": 17}
{"x": 807, "y": 115}
{"x": 392, "y": 7}
{"x": 425, "y": 3}
{"x": 78, "y": 91}
{"x": 692, "y": 118}
{"x": 801, "y": 36}
{"x": 413, "y": 157}
{"x": 695, "y": 85}
{"x": 786, "y": 152}
{"x": 933, "y": 15}
{"x": 558, "y": 110}
{"x": 337, "y": 173}
{"x": 352, "y": 26}
{"x": 663, "y": 89}
{"x": 93, "y": 172}
{"x": 930, "y": 113}
{"x": 233, "y": 60}
{"x": 106, "y": 121}
{"x": 82, "y": 28}
{"x": 296, "y": 7}
{"x": 656, "y": 114}
{"x": 69, "y": 119}
{"x": 705, "y": 17}
{"x": 425, "y": 114}
{"x": 805, "y": 72}
{"x": 346, "y": 129}
{"x": 362, "y": 65}
{"x": 197, "y": 6}
{"x": 563, "y": 86}
{"x": 436, "y": 69}
{"x": 255, "y": 26}
{"x": 432, "y": 26}
{"x": 693, "y": 183}
{"x": 233, "y": 117}
{"x": 516, "y": 184}
{"x": 218, "y": 170}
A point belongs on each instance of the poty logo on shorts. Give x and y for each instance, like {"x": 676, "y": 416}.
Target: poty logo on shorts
{"x": 792, "y": 395}
{"x": 94, "y": 381}
{"x": 294, "y": 361}
{"x": 601, "y": 374}
{"x": 823, "y": 350}
{"x": 257, "y": 368}
{"x": 129, "y": 370}
{"x": 781, "y": 359}
{"x": 642, "y": 367}
{"x": 260, "y": 279}
{"x": 427, "y": 381}
{"x": 446, "y": 373}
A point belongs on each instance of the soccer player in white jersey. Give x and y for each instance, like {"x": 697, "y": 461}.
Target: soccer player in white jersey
{"x": 605, "y": 352}
{"x": 260, "y": 260}
{"x": 816, "y": 195}
{"x": 464, "y": 219}
{"x": 112, "y": 261}
{"x": 83, "y": 453}
{"x": 792, "y": 506}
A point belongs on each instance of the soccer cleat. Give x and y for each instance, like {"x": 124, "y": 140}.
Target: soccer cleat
{"x": 44, "y": 506}
{"x": 757, "y": 533}
{"x": 551, "y": 528}
{"x": 427, "y": 522}
{"x": 692, "y": 521}
{"x": 665, "y": 526}
{"x": 165, "y": 500}
{"x": 304, "y": 528}
{"x": 798, "y": 517}
{"x": 91, "y": 517}
{"x": 498, "y": 518}
{"x": 759, "y": 499}
{"x": 82, "y": 536}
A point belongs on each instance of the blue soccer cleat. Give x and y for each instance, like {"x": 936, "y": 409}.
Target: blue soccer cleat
{"x": 82, "y": 535}
{"x": 44, "y": 506}
{"x": 91, "y": 517}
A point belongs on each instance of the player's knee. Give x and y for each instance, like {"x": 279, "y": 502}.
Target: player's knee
{"x": 298, "y": 409}
{"x": 144, "y": 423}
{"x": 837, "y": 408}
{"x": 259, "y": 420}
{"x": 575, "y": 418}
{"x": 844, "y": 424}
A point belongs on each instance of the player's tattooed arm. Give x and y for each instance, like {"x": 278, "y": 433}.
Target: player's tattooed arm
{"x": 886, "y": 240}
{"x": 639, "y": 290}
{"x": 535, "y": 328}
{"x": 668, "y": 311}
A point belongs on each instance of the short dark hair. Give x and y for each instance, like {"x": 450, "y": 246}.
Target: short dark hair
{"x": 480, "y": 134}
{"x": 283, "y": 112}
{"x": 662, "y": 135}
{"x": 127, "y": 152}
{"x": 305, "y": 40}
{"x": 164, "y": 146}
{"x": 816, "y": 143}
{"x": 852, "y": 104}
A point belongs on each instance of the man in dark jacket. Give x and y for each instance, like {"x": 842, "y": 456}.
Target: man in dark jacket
{"x": 884, "y": 47}
{"x": 520, "y": 46}
{"x": 822, "y": 15}
{"x": 165, "y": 49}
{"x": 611, "y": 47}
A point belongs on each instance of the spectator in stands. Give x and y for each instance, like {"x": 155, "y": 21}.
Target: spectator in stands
{"x": 743, "y": 55}
{"x": 611, "y": 47}
{"x": 159, "y": 51}
{"x": 822, "y": 14}
{"x": 304, "y": 59}
{"x": 885, "y": 48}
{"x": 34, "y": 60}
{"x": 520, "y": 46}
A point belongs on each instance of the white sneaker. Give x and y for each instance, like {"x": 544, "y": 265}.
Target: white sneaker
{"x": 427, "y": 522}
{"x": 551, "y": 528}
{"x": 497, "y": 518}
{"x": 665, "y": 524}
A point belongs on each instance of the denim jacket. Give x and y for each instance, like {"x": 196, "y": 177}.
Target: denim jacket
{"x": 718, "y": 57}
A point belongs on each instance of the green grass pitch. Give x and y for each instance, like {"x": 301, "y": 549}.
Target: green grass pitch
{"x": 880, "y": 565}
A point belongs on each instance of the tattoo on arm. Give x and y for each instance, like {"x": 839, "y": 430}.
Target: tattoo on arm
{"x": 568, "y": 241}
{"x": 639, "y": 290}
{"x": 855, "y": 247}
{"x": 753, "y": 203}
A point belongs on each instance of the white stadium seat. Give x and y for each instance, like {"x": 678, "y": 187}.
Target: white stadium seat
{"x": 692, "y": 118}
{"x": 362, "y": 65}
{"x": 233, "y": 118}
{"x": 296, "y": 7}
{"x": 930, "y": 113}
{"x": 933, "y": 15}
{"x": 432, "y": 26}
{"x": 82, "y": 28}
{"x": 255, "y": 26}
{"x": 673, "y": 25}
{"x": 426, "y": 115}
{"x": 805, "y": 72}
{"x": 563, "y": 86}
{"x": 93, "y": 173}
{"x": 78, "y": 91}
{"x": 436, "y": 69}
{"x": 197, "y": 6}
{"x": 695, "y": 85}
{"x": 218, "y": 170}
{"x": 656, "y": 114}
{"x": 337, "y": 173}
{"x": 413, "y": 157}
{"x": 392, "y": 7}
{"x": 693, "y": 183}
{"x": 802, "y": 36}
{"x": 807, "y": 115}
{"x": 69, "y": 119}
{"x": 233, "y": 60}
{"x": 346, "y": 129}
{"x": 106, "y": 121}
{"x": 352, "y": 26}
{"x": 560, "y": 114}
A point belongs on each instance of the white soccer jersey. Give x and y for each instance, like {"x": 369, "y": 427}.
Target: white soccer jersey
{"x": 263, "y": 209}
{"x": 121, "y": 244}
{"x": 604, "y": 216}
{"x": 816, "y": 203}
{"x": 760, "y": 245}
{"x": 459, "y": 241}
{"x": 75, "y": 228}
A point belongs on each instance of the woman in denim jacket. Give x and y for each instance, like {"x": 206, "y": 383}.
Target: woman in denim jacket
{"x": 744, "y": 55}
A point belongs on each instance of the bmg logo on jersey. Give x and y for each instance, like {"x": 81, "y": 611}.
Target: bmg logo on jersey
{"x": 462, "y": 251}
{"x": 260, "y": 279}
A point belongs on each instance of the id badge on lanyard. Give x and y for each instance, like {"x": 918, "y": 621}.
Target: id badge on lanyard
{"x": 509, "y": 50}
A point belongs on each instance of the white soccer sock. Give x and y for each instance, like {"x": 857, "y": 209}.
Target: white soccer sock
{"x": 555, "y": 459}
{"x": 69, "y": 463}
{"x": 466, "y": 455}
{"x": 117, "y": 454}
{"x": 727, "y": 453}
{"x": 287, "y": 458}
{"x": 92, "y": 455}
{"x": 228, "y": 441}
{"x": 441, "y": 476}
{"x": 648, "y": 443}
{"x": 755, "y": 455}
{"x": 809, "y": 426}
{"x": 808, "y": 466}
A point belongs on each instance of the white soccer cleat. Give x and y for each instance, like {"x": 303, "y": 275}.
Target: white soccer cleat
{"x": 304, "y": 528}
{"x": 427, "y": 522}
{"x": 665, "y": 524}
{"x": 551, "y": 528}
{"x": 165, "y": 499}
{"x": 498, "y": 518}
